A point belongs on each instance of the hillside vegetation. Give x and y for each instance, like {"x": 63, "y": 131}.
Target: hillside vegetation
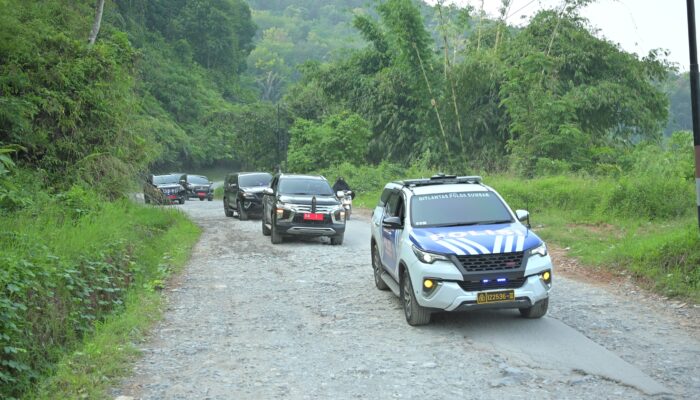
{"x": 558, "y": 120}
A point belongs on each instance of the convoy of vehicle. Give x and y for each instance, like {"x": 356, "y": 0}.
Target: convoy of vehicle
{"x": 445, "y": 243}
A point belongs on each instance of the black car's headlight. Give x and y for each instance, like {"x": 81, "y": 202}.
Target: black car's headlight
{"x": 248, "y": 195}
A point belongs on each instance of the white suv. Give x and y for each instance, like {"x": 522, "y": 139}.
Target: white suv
{"x": 451, "y": 243}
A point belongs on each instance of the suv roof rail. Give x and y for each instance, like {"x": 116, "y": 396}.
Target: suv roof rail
{"x": 441, "y": 179}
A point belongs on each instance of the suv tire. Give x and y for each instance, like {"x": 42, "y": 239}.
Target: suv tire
{"x": 415, "y": 313}
{"x": 377, "y": 268}
{"x": 242, "y": 213}
{"x": 538, "y": 310}
{"x": 337, "y": 240}
{"x": 275, "y": 237}
{"x": 265, "y": 229}
{"x": 227, "y": 210}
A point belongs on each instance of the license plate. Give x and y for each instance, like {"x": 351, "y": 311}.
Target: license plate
{"x": 313, "y": 217}
{"x": 172, "y": 197}
{"x": 494, "y": 297}
{"x": 201, "y": 194}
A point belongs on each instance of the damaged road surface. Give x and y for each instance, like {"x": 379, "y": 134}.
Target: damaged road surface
{"x": 303, "y": 320}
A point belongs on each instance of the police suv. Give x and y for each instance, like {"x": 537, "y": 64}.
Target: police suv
{"x": 451, "y": 243}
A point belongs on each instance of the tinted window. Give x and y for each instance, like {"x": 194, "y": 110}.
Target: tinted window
{"x": 302, "y": 186}
{"x": 163, "y": 179}
{"x": 254, "y": 180}
{"x": 459, "y": 208}
{"x": 200, "y": 180}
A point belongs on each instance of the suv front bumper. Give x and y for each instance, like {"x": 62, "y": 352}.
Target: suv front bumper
{"x": 302, "y": 229}
{"x": 448, "y": 295}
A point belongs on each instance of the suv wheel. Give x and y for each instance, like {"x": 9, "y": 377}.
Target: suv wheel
{"x": 242, "y": 213}
{"x": 181, "y": 200}
{"x": 415, "y": 313}
{"x": 275, "y": 237}
{"x": 536, "y": 311}
{"x": 265, "y": 229}
{"x": 377, "y": 267}
{"x": 227, "y": 210}
{"x": 337, "y": 239}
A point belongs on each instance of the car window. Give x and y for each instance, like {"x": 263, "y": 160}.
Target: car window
{"x": 302, "y": 186}
{"x": 384, "y": 197}
{"x": 163, "y": 179}
{"x": 197, "y": 179}
{"x": 458, "y": 208}
{"x": 394, "y": 205}
{"x": 254, "y": 180}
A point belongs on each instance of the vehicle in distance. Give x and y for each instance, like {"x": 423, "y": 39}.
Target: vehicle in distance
{"x": 302, "y": 205}
{"x": 243, "y": 193}
{"x": 197, "y": 186}
{"x": 163, "y": 189}
{"x": 451, "y": 243}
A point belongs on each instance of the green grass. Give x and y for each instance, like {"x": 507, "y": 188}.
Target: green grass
{"x": 106, "y": 355}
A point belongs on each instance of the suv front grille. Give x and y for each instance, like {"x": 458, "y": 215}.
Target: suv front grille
{"x": 492, "y": 262}
{"x": 475, "y": 286}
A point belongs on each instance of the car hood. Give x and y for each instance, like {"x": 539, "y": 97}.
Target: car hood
{"x": 306, "y": 199}
{"x": 168, "y": 186}
{"x": 475, "y": 239}
{"x": 253, "y": 189}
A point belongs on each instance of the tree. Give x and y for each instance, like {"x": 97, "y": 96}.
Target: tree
{"x": 99, "y": 8}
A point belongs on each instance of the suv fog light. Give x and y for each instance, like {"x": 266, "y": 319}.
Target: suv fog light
{"x": 547, "y": 277}
{"x": 428, "y": 283}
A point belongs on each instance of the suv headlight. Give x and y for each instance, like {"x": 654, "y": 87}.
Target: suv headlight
{"x": 427, "y": 257}
{"x": 250, "y": 196}
{"x": 539, "y": 250}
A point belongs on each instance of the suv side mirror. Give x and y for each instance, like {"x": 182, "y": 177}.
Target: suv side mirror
{"x": 523, "y": 216}
{"x": 268, "y": 191}
{"x": 392, "y": 223}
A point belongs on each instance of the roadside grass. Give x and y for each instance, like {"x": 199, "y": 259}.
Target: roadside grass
{"x": 219, "y": 193}
{"x": 77, "y": 273}
{"x": 106, "y": 355}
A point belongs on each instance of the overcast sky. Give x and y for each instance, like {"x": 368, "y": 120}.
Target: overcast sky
{"x": 637, "y": 25}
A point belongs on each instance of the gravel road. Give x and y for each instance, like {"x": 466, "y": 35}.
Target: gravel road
{"x": 303, "y": 320}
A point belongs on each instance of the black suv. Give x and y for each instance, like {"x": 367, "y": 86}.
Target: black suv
{"x": 198, "y": 186}
{"x": 163, "y": 189}
{"x": 243, "y": 193}
{"x": 302, "y": 205}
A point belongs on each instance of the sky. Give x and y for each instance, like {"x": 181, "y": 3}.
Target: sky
{"x": 636, "y": 25}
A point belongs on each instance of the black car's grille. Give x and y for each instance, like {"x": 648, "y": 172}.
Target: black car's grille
{"x": 491, "y": 262}
{"x": 475, "y": 286}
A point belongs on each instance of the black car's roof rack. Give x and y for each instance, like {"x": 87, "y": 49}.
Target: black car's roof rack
{"x": 441, "y": 179}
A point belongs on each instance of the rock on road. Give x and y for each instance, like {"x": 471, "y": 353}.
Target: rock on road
{"x": 302, "y": 320}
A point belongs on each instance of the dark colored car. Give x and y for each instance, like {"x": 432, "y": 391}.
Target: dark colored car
{"x": 198, "y": 186}
{"x": 163, "y": 189}
{"x": 302, "y": 205}
{"x": 243, "y": 193}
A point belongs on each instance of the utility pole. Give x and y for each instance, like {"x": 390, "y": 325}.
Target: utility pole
{"x": 279, "y": 162}
{"x": 694, "y": 88}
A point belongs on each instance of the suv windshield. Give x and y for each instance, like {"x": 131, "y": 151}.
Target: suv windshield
{"x": 163, "y": 179}
{"x": 458, "y": 208}
{"x": 304, "y": 186}
{"x": 200, "y": 180}
{"x": 254, "y": 180}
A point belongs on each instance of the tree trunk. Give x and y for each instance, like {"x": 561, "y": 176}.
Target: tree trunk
{"x": 100, "y": 6}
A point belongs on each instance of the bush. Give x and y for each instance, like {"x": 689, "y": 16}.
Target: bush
{"x": 65, "y": 264}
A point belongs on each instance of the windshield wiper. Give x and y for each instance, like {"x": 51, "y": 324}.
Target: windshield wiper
{"x": 493, "y": 222}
